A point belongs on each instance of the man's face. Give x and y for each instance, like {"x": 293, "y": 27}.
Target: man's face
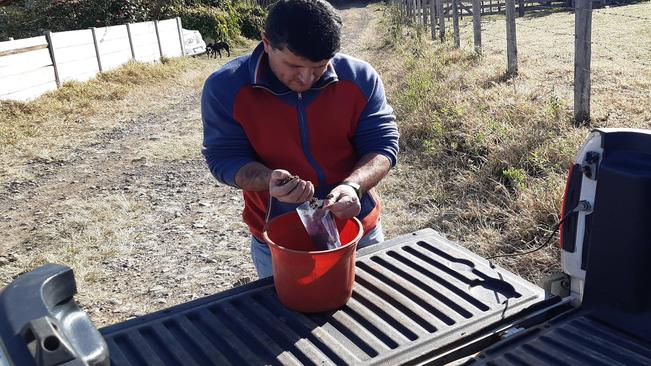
{"x": 296, "y": 72}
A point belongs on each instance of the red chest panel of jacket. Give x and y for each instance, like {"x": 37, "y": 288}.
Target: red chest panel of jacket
{"x": 274, "y": 129}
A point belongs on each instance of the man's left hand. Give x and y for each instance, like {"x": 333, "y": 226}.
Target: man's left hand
{"x": 343, "y": 202}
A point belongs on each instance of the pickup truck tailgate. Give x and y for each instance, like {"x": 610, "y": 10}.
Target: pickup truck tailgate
{"x": 412, "y": 295}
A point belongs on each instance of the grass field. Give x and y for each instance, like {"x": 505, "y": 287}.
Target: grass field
{"x": 484, "y": 157}
{"x": 52, "y": 126}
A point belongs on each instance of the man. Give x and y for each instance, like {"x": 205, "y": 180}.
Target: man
{"x": 296, "y": 107}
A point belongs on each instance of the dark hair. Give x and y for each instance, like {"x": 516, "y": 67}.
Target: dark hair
{"x": 308, "y": 28}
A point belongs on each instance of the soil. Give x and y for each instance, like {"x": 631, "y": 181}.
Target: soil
{"x": 143, "y": 228}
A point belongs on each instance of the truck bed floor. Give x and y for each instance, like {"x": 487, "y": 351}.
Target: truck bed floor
{"x": 573, "y": 339}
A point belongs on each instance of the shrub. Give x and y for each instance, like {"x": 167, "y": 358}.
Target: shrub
{"x": 213, "y": 23}
{"x": 251, "y": 20}
{"x": 223, "y": 20}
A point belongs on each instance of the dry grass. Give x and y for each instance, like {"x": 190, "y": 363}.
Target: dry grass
{"x": 91, "y": 232}
{"x": 101, "y": 176}
{"x": 51, "y": 127}
{"x": 484, "y": 156}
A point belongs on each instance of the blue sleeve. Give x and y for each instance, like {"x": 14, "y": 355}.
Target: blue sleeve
{"x": 225, "y": 145}
{"x": 377, "y": 131}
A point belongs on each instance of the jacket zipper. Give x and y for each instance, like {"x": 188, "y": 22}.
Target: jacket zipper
{"x": 305, "y": 142}
{"x": 326, "y": 85}
{"x": 258, "y": 86}
{"x": 305, "y": 145}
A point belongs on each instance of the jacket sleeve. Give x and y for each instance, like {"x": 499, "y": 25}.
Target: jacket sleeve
{"x": 377, "y": 131}
{"x": 225, "y": 145}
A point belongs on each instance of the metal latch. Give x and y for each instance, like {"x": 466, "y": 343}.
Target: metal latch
{"x": 46, "y": 344}
{"x": 558, "y": 283}
{"x": 591, "y": 164}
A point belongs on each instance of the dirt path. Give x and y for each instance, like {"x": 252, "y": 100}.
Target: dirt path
{"x": 356, "y": 17}
{"x": 136, "y": 212}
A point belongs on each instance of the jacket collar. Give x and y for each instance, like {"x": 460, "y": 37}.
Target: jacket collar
{"x": 263, "y": 77}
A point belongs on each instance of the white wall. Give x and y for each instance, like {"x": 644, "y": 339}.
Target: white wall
{"x": 26, "y": 73}
{"x": 168, "y": 33}
{"x": 145, "y": 43}
{"x": 113, "y": 45}
{"x": 75, "y": 55}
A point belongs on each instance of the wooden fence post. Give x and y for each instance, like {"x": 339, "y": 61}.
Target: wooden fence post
{"x": 160, "y": 48}
{"x": 432, "y": 17}
{"x": 511, "y": 44}
{"x": 439, "y": 11}
{"x": 414, "y": 9}
{"x": 99, "y": 59}
{"x": 179, "y": 27}
{"x": 582, "y": 59}
{"x": 133, "y": 53}
{"x": 455, "y": 23}
{"x": 50, "y": 47}
{"x": 476, "y": 24}
{"x": 424, "y": 7}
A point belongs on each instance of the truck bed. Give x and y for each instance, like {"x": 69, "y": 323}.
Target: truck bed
{"x": 416, "y": 295}
{"x": 574, "y": 338}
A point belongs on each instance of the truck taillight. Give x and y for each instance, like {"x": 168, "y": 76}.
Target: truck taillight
{"x": 570, "y": 200}
{"x": 563, "y": 204}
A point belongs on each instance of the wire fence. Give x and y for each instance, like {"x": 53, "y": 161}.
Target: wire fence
{"x": 577, "y": 34}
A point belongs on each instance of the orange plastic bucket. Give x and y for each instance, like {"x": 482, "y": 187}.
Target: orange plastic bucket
{"x": 306, "y": 280}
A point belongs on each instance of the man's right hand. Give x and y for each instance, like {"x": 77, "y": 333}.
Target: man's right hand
{"x": 289, "y": 189}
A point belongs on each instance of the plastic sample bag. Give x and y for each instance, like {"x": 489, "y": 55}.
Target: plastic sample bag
{"x": 319, "y": 224}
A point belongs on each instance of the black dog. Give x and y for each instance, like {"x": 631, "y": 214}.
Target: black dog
{"x": 212, "y": 49}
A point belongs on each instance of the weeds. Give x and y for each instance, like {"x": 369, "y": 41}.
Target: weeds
{"x": 393, "y": 21}
{"x": 492, "y": 149}
{"x": 515, "y": 177}
{"x": 556, "y": 107}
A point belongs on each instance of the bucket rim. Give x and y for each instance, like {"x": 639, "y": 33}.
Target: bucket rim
{"x": 270, "y": 242}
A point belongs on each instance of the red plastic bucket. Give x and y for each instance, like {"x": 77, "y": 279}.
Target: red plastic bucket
{"x": 306, "y": 280}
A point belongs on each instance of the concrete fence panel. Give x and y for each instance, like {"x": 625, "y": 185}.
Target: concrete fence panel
{"x": 26, "y": 69}
{"x": 113, "y": 46}
{"x": 31, "y": 66}
{"x": 169, "y": 38}
{"x": 145, "y": 43}
{"x": 75, "y": 55}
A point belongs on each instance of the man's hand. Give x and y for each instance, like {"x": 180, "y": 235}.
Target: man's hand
{"x": 289, "y": 188}
{"x": 343, "y": 202}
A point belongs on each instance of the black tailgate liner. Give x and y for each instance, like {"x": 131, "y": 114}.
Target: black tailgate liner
{"x": 575, "y": 338}
{"x": 412, "y": 295}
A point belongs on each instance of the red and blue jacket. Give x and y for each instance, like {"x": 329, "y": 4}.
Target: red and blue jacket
{"x": 319, "y": 135}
